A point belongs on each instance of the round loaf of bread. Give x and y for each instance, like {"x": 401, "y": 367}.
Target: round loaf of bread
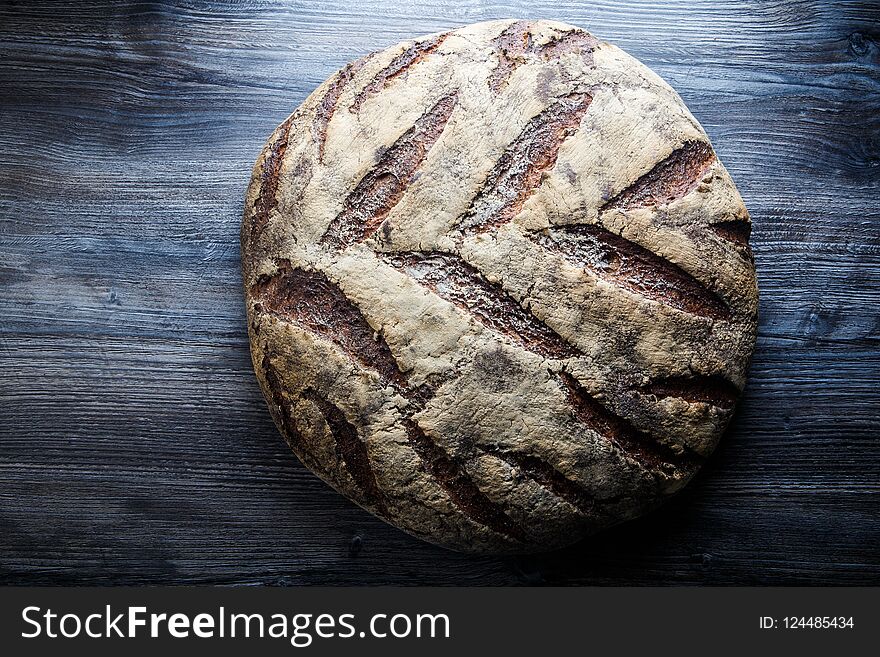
{"x": 499, "y": 287}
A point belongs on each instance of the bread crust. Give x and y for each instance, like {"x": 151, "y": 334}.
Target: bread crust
{"x": 498, "y": 286}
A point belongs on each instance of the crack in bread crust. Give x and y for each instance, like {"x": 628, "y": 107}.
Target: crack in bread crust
{"x": 618, "y": 260}
{"x": 668, "y": 180}
{"x": 398, "y": 66}
{"x": 639, "y": 445}
{"x": 460, "y": 283}
{"x": 384, "y": 185}
{"x": 269, "y": 174}
{"x": 517, "y": 43}
{"x": 520, "y": 169}
{"x": 309, "y": 298}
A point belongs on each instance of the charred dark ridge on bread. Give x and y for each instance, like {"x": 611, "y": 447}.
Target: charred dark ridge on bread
{"x": 327, "y": 107}
{"x": 351, "y": 449}
{"x": 384, "y": 185}
{"x": 713, "y": 389}
{"x": 516, "y": 43}
{"x": 737, "y": 231}
{"x": 280, "y": 410}
{"x": 453, "y": 279}
{"x": 349, "y": 446}
{"x": 309, "y": 299}
{"x": 638, "y": 445}
{"x": 399, "y": 65}
{"x": 548, "y": 477}
{"x": 619, "y": 261}
{"x": 450, "y": 474}
{"x": 670, "y": 179}
{"x": 577, "y": 41}
{"x": 520, "y": 169}
{"x": 279, "y": 406}
{"x": 511, "y": 46}
{"x": 270, "y": 171}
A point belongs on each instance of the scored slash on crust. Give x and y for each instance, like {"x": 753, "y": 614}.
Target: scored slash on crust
{"x": 712, "y": 389}
{"x": 521, "y": 167}
{"x": 656, "y": 457}
{"x": 398, "y": 66}
{"x": 269, "y": 174}
{"x": 460, "y": 283}
{"x": 670, "y": 179}
{"x": 551, "y": 479}
{"x": 352, "y": 449}
{"x": 450, "y": 473}
{"x": 384, "y": 185}
{"x": 516, "y": 43}
{"x": 629, "y": 265}
{"x": 736, "y": 231}
{"x": 327, "y": 107}
{"x": 310, "y": 299}
{"x": 349, "y": 446}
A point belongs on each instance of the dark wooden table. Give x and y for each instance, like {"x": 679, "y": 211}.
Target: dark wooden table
{"x": 134, "y": 443}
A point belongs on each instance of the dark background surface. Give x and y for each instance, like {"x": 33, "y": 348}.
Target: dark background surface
{"x": 136, "y": 446}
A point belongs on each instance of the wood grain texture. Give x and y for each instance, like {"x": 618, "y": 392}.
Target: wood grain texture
{"x": 134, "y": 443}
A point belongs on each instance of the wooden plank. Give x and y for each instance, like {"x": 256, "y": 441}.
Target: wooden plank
{"x": 135, "y": 444}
